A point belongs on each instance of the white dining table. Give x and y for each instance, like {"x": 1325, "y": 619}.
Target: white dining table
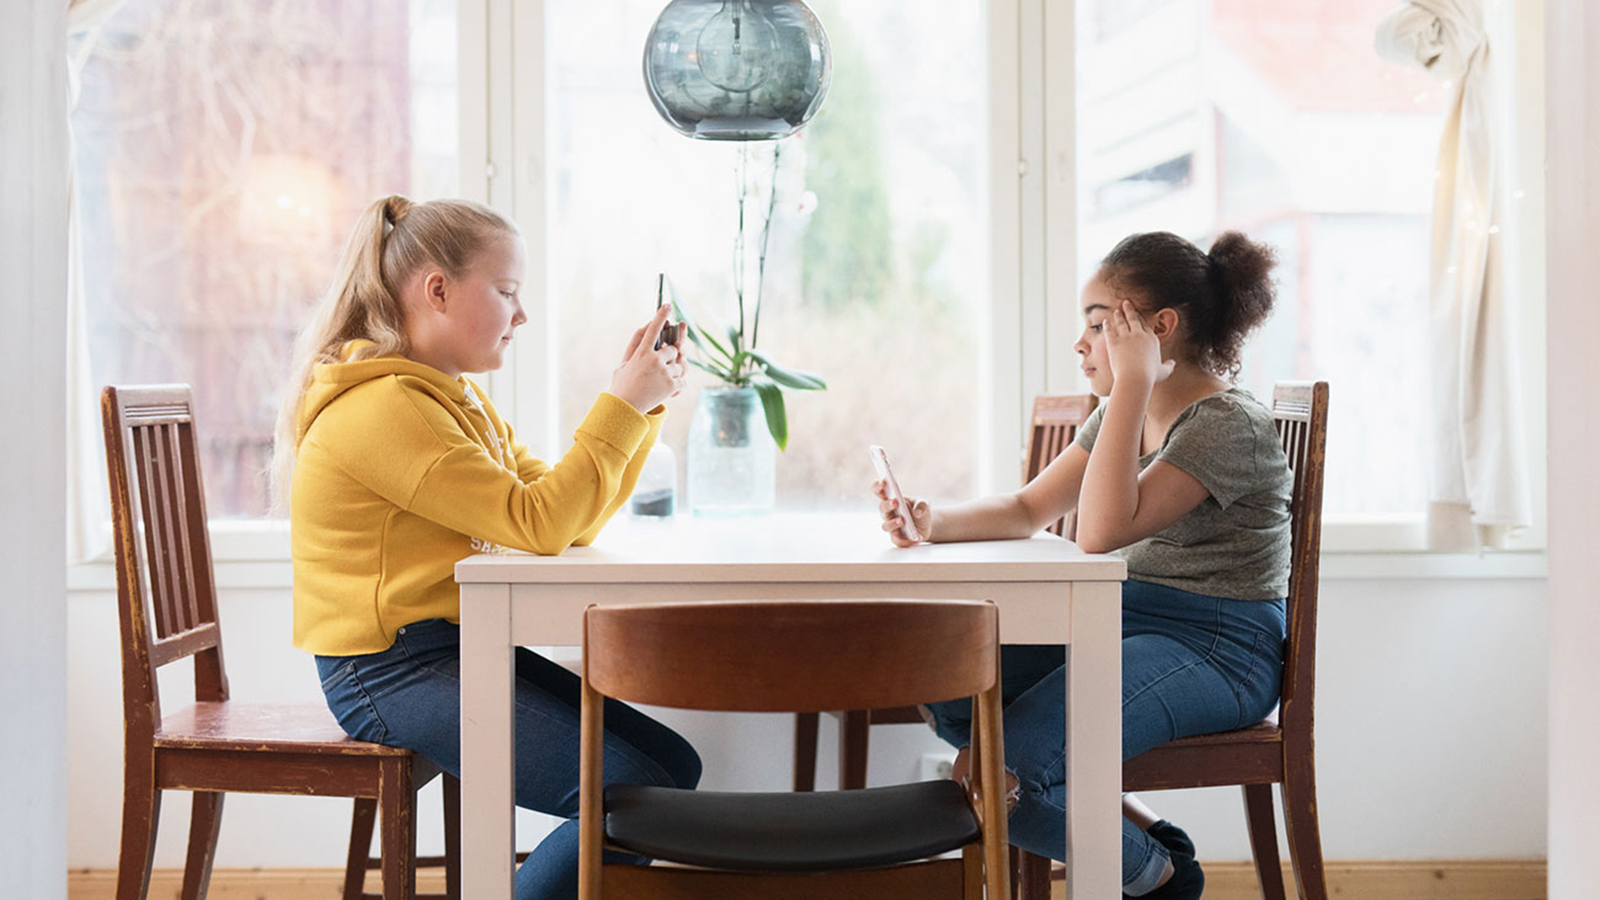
{"x": 1048, "y": 591}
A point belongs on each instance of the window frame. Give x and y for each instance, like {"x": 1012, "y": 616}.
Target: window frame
{"x": 1026, "y": 341}
{"x": 1521, "y": 26}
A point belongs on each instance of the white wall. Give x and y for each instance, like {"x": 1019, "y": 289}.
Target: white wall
{"x": 33, "y": 204}
{"x": 1431, "y": 709}
{"x": 1572, "y": 132}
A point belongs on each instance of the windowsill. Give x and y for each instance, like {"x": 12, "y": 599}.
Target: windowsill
{"x": 254, "y": 555}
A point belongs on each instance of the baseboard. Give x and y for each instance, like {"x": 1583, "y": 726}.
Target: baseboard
{"x": 1438, "y": 879}
{"x": 240, "y": 884}
{"x": 1423, "y": 879}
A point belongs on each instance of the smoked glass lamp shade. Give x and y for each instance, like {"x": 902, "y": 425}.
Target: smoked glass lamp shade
{"x": 737, "y": 70}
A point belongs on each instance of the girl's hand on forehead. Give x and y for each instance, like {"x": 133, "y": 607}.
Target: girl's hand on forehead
{"x": 1133, "y": 349}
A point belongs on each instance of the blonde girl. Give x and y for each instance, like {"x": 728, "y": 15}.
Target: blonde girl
{"x": 1182, "y": 474}
{"x": 397, "y": 465}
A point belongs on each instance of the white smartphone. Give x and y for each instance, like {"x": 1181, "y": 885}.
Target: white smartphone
{"x": 880, "y": 462}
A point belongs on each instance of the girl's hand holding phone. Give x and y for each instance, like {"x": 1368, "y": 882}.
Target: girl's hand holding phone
{"x": 921, "y": 516}
{"x": 648, "y": 376}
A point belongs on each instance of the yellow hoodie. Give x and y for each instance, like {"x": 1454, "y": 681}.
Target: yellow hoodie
{"x": 401, "y": 471}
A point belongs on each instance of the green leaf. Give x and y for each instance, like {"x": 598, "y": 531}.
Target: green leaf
{"x": 790, "y": 378}
{"x": 772, "y": 405}
{"x": 721, "y": 375}
{"x": 695, "y": 332}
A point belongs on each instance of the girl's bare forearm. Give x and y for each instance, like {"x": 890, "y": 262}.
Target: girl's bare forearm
{"x": 997, "y": 518}
{"x": 1110, "y": 495}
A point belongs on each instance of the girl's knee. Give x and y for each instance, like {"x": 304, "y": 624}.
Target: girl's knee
{"x": 951, "y": 721}
{"x": 686, "y": 771}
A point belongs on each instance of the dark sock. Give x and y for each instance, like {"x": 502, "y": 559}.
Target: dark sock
{"x": 1177, "y": 842}
{"x": 1171, "y": 837}
{"x": 1186, "y": 883}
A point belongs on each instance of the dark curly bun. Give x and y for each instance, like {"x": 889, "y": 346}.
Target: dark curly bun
{"x": 1222, "y": 296}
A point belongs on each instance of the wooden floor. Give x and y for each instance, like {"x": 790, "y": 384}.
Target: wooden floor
{"x": 1400, "y": 880}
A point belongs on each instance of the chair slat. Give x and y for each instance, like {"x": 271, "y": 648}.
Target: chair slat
{"x": 183, "y": 488}
{"x": 154, "y": 563}
{"x": 168, "y": 504}
{"x": 1055, "y": 422}
{"x": 165, "y": 503}
{"x": 199, "y": 550}
{"x": 184, "y": 643}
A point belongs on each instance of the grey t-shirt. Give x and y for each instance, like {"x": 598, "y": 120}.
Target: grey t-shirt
{"x": 1235, "y": 544}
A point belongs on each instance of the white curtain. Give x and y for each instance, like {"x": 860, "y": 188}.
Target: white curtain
{"x": 88, "y": 506}
{"x": 1478, "y": 493}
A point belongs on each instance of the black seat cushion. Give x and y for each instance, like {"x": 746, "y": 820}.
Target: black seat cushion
{"x": 798, "y": 832}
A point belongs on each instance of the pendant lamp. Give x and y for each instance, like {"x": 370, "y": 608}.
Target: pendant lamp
{"x": 737, "y": 70}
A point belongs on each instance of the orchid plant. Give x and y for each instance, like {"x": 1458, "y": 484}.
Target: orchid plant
{"x": 729, "y": 356}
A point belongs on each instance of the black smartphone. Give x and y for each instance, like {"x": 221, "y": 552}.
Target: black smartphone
{"x": 670, "y": 332}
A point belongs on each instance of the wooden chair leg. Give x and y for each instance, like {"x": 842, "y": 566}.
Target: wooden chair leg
{"x": 972, "y": 872}
{"x": 362, "y": 819}
{"x": 805, "y": 751}
{"x": 1305, "y": 837}
{"x": 1263, "y": 839}
{"x": 1030, "y": 875}
{"x": 141, "y": 811}
{"x": 854, "y": 726}
{"x": 1015, "y": 861}
{"x": 452, "y": 836}
{"x": 204, "y": 824}
{"x": 397, "y": 802}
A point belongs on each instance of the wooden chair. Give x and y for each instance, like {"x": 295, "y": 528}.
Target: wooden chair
{"x": 1054, "y": 424}
{"x": 783, "y": 657}
{"x": 1279, "y": 750}
{"x": 218, "y": 744}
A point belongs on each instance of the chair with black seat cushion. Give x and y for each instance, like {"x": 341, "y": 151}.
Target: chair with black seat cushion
{"x": 1052, "y": 427}
{"x": 218, "y": 744}
{"x": 787, "y": 657}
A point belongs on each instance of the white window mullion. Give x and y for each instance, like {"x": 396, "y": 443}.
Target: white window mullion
{"x": 472, "y": 55}
{"x": 535, "y": 372}
{"x": 1032, "y": 170}
{"x": 1061, "y": 276}
{"x": 1001, "y": 366}
{"x": 507, "y": 159}
{"x": 497, "y": 53}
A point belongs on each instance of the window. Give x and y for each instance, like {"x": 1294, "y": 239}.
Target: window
{"x": 1277, "y": 118}
{"x": 877, "y": 274}
{"x": 223, "y": 151}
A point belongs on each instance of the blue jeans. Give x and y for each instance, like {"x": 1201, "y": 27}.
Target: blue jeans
{"x": 410, "y": 696}
{"x": 1191, "y": 664}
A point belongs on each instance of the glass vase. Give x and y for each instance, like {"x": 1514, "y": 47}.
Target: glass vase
{"x": 732, "y": 457}
{"x": 655, "y": 494}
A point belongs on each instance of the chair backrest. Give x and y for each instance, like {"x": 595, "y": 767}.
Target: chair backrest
{"x": 791, "y": 656}
{"x": 164, "y": 572}
{"x": 1055, "y": 422}
{"x": 1300, "y": 412}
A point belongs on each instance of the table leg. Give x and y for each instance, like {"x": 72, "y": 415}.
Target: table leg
{"x": 1094, "y": 742}
{"x": 488, "y": 744}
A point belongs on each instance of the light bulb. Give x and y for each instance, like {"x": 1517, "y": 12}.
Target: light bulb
{"x": 738, "y": 47}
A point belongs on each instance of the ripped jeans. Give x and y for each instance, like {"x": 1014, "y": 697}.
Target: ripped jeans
{"x": 410, "y": 696}
{"x": 1191, "y": 664}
